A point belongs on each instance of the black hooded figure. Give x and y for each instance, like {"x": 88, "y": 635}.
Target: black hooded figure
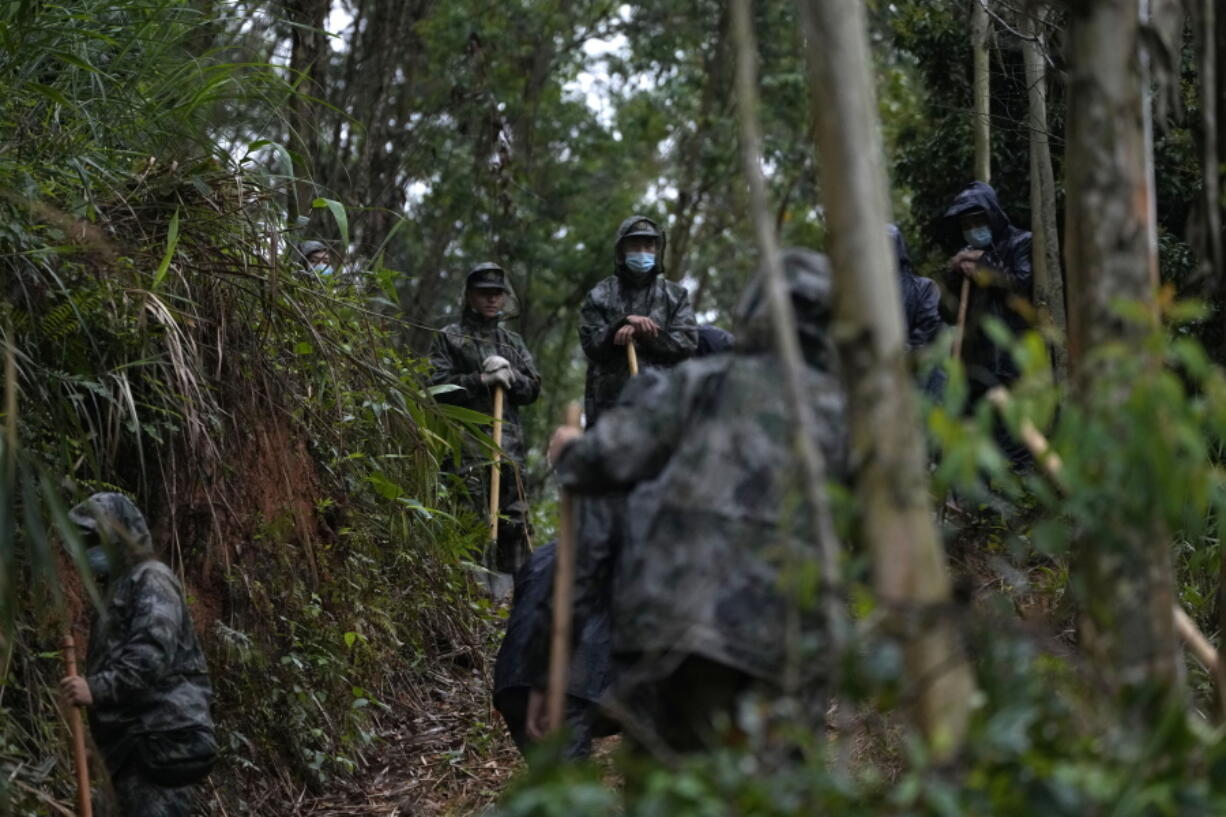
{"x": 1003, "y": 276}
{"x": 921, "y": 297}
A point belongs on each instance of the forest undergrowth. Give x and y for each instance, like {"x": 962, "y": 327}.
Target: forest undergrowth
{"x": 161, "y": 339}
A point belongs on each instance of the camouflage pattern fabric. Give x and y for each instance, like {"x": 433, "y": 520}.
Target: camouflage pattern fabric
{"x": 456, "y": 357}
{"x": 717, "y": 515}
{"x": 137, "y": 796}
{"x": 144, "y": 666}
{"x": 604, "y": 311}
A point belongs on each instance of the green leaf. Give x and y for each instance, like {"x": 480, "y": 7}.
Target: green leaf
{"x": 338, "y": 212}
{"x": 172, "y": 241}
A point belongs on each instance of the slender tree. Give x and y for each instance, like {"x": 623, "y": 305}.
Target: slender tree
{"x": 910, "y": 571}
{"x": 308, "y": 69}
{"x": 1125, "y": 580}
{"x": 981, "y": 29}
{"x": 1045, "y": 256}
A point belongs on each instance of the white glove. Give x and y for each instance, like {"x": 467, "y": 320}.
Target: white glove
{"x": 502, "y": 377}
{"x": 498, "y": 372}
{"x": 493, "y": 363}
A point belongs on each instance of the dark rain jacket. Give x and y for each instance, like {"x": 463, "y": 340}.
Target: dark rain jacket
{"x": 527, "y": 637}
{"x": 921, "y": 297}
{"x": 713, "y": 341}
{"x": 145, "y": 669}
{"x": 457, "y": 355}
{"x": 1008, "y": 275}
{"x": 604, "y": 311}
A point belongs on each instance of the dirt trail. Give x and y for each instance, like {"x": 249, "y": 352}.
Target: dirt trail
{"x": 450, "y": 756}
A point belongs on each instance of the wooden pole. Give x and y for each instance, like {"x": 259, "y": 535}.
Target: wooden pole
{"x": 496, "y": 468}
{"x": 1053, "y": 467}
{"x": 79, "y": 759}
{"x": 963, "y": 301}
{"x": 563, "y": 590}
{"x": 632, "y": 358}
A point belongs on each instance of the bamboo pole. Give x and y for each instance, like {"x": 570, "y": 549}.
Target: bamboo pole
{"x": 563, "y": 590}
{"x": 79, "y": 759}
{"x": 496, "y": 468}
{"x": 632, "y": 357}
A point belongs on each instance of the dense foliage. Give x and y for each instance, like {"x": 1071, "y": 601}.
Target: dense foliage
{"x": 161, "y": 160}
{"x": 161, "y": 342}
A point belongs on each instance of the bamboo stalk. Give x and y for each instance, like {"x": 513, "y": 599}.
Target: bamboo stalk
{"x": 79, "y": 759}
{"x": 563, "y": 591}
{"x": 496, "y": 468}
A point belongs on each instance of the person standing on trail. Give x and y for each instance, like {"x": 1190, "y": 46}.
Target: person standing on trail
{"x": 477, "y": 355}
{"x": 636, "y": 304}
{"x": 995, "y": 257}
{"x": 715, "y": 522}
{"x": 146, "y": 684}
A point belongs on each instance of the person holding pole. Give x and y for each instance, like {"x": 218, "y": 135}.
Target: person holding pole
{"x": 994, "y": 260}
{"x": 705, "y": 612}
{"x": 635, "y": 317}
{"x": 491, "y": 371}
{"x": 993, "y": 275}
{"x": 146, "y": 683}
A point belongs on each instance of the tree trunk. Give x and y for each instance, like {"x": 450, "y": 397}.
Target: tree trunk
{"x": 307, "y": 66}
{"x": 787, "y": 345}
{"x": 1125, "y": 584}
{"x": 910, "y": 571}
{"x": 1045, "y": 255}
{"x": 1208, "y": 22}
{"x": 980, "y": 30}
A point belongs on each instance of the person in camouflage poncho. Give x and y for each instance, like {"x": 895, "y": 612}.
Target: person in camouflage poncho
{"x": 475, "y": 355}
{"x": 635, "y": 303}
{"x": 715, "y": 520}
{"x": 146, "y": 682}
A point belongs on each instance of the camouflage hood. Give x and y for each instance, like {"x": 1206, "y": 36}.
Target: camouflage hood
{"x": 119, "y": 524}
{"x": 811, "y": 287}
{"x": 631, "y": 225}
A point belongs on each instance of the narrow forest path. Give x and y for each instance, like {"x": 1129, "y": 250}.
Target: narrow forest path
{"x": 443, "y": 750}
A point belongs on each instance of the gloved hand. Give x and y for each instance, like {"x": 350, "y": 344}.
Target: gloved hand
{"x": 497, "y": 371}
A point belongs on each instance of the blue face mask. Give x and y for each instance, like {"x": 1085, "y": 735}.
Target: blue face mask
{"x": 99, "y": 564}
{"x": 322, "y": 269}
{"x": 978, "y": 237}
{"x": 640, "y": 262}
